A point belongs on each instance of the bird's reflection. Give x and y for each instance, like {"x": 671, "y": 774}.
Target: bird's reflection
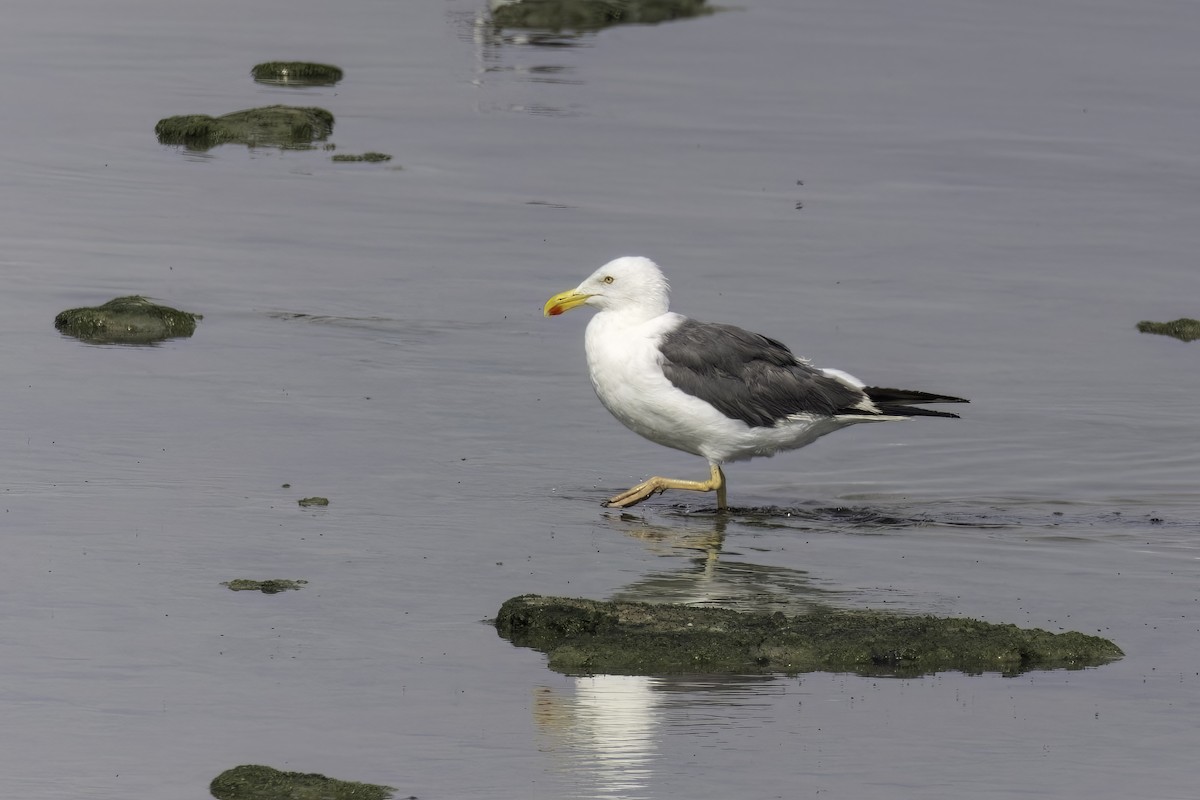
{"x": 603, "y": 731}
{"x": 711, "y": 575}
{"x": 605, "y": 728}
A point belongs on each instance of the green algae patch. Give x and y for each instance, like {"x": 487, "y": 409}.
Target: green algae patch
{"x": 589, "y": 636}
{"x": 1184, "y": 329}
{"x": 256, "y": 782}
{"x": 557, "y": 15}
{"x": 271, "y": 586}
{"x": 126, "y": 320}
{"x": 296, "y": 73}
{"x": 306, "y": 502}
{"x": 289, "y": 127}
{"x": 370, "y": 157}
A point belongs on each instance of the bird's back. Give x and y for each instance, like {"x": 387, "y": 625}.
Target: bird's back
{"x": 750, "y": 377}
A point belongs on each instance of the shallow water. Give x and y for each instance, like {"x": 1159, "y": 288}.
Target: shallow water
{"x": 992, "y": 197}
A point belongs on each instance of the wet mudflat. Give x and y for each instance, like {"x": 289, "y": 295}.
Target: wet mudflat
{"x": 989, "y": 201}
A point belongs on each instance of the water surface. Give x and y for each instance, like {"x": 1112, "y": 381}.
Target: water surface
{"x": 990, "y": 198}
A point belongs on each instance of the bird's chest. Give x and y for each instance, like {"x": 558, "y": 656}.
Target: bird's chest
{"x": 626, "y": 371}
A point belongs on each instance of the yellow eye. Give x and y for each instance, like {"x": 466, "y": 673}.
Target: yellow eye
{"x": 609, "y": 278}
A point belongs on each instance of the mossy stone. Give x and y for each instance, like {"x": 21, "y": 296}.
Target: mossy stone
{"x": 257, "y": 782}
{"x": 556, "y": 15}
{"x": 1185, "y": 329}
{"x": 291, "y": 127}
{"x": 590, "y": 636}
{"x": 370, "y": 157}
{"x": 296, "y": 73}
{"x": 126, "y": 320}
{"x": 271, "y": 586}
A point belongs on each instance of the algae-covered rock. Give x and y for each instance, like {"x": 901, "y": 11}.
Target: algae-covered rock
{"x": 590, "y": 636}
{"x": 1185, "y": 329}
{"x": 271, "y": 586}
{"x": 557, "y": 15}
{"x": 370, "y": 157}
{"x": 269, "y": 126}
{"x": 126, "y": 320}
{"x": 306, "y": 502}
{"x": 256, "y": 782}
{"x": 296, "y": 73}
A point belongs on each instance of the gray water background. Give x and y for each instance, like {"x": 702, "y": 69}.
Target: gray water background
{"x": 992, "y": 196}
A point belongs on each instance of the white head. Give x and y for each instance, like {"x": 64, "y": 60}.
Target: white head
{"x": 630, "y": 285}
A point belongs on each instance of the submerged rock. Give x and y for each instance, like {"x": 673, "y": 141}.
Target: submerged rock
{"x": 305, "y": 502}
{"x": 296, "y": 73}
{"x": 269, "y": 126}
{"x": 589, "y": 636}
{"x": 256, "y": 782}
{"x": 1184, "y": 329}
{"x": 369, "y": 157}
{"x": 271, "y": 586}
{"x": 126, "y": 320}
{"x": 556, "y": 15}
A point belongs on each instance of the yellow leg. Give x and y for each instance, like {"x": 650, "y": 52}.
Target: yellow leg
{"x": 656, "y": 485}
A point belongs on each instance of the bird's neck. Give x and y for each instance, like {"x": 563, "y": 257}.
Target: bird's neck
{"x": 629, "y": 316}
{"x": 622, "y": 328}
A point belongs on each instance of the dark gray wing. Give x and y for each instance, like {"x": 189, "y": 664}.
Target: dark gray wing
{"x": 750, "y": 377}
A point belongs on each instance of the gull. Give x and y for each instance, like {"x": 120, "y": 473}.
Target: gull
{"x": 713, "y": 390}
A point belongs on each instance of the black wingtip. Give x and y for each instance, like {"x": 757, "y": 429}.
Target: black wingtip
{"x": 908, "y": 397}
{"x": 907, "y": 402}
{"x": 913, "y": 411}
